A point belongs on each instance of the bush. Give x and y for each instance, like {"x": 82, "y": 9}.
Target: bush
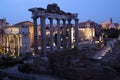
{"x": 112, "y": 33}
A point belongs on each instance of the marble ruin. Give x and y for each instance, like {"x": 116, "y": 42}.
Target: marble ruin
{"x": 53, "y": 12}
{"x": 16, "y": 41}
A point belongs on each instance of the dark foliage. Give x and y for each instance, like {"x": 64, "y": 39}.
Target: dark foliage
{"x": 111, "y": 33}
{"x": 6, "y": 62}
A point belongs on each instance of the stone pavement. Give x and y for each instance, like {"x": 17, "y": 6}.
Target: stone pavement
{"x": 14, "y": 72}
{"x": 105, "y": 50}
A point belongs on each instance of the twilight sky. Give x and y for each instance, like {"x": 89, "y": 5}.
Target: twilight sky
{"x": 97, "y": 10}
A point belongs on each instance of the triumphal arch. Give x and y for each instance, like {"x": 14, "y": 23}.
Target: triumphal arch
{"x": 53, "y": 12}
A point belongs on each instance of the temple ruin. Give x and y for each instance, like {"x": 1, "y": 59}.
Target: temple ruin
{"x": 53, "y": 12}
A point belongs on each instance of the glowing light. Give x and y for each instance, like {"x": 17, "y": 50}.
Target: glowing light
{"x": 33, "y": 53}
{"x": 97, "y": 42}
{"x": 86, "y": 33}
{"x": 100, "y": 57}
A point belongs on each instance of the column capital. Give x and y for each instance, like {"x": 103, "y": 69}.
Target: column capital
{"x": 76, "y": 19}
{"x": 42, "y": 17}
{"x": 64, "y": 19}
{"x": 34, "y": 17}
{"x": 69, "y": 20}
{"x": 57, "y": 19}
{"x": 50, "y": 18}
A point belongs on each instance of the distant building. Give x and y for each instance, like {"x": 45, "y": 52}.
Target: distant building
{"x": 86, "y": 34}
{"x": 15, "y": 39}
{"x": 1, "y": 36}
{"x": 118, "y": 27}
{"x": 3, "y": 24}
{"x": 109, "y": 24}
{"x": 89, "y": 30}
{"x": 31, "y": 30}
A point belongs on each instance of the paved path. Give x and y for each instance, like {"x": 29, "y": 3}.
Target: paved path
{"x": 14, "y": 71}
{"x": 102, "y": 53}
{"x": 105, "y": 50}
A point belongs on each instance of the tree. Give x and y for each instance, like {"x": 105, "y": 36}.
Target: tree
{"x": 112, "y": 33}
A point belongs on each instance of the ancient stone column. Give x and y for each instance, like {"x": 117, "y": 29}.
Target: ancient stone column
{"x": 35, "y": 36}
{"x": 43, "y": 35}
{"x": 8, "y": 44}
{"x": 64, "y": 33}
{"x": 15, "y": 43}
{"x": 76, "y": 33}
{"x": 58, "y": 35}
{"x": 51, "y": 35}
{"x": 5, "y": 43}
{"x": 18, "y": 44}
{"x": 69, "y": 33}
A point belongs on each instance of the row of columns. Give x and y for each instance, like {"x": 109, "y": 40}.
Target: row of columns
{"x": 43, "y": 34}
{"x": 12, "y": 47}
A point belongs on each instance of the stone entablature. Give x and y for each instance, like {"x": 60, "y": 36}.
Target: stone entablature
{"x": 54, "y": 16}
{"x": 11, "y": 30}
{"x": 52, "y": 11}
